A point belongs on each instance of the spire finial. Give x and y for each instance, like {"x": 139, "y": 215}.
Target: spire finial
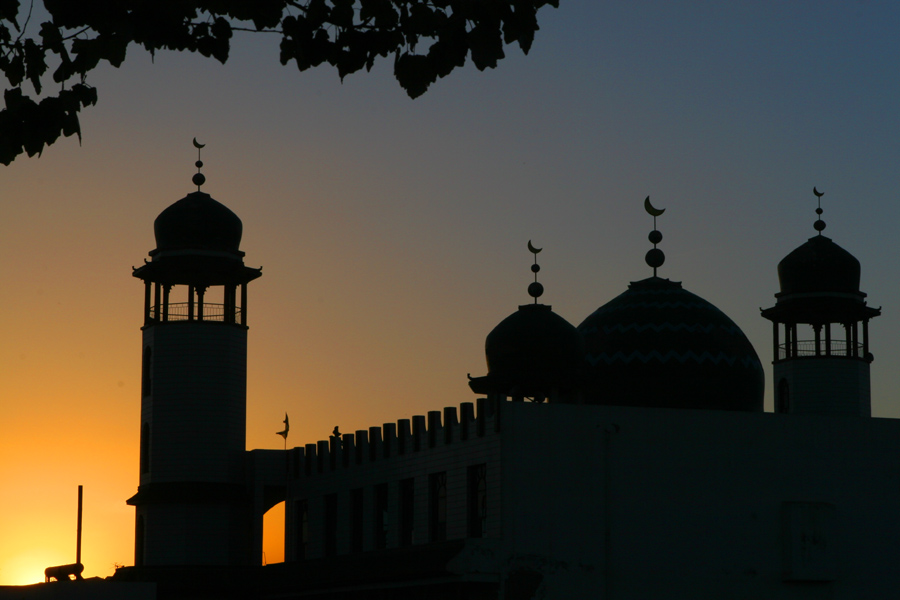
{"x": 819, "y": 225}
{"x": 655, "y": 257}
{"x": 198, "y": 178}
{"x": 535, "y": 289}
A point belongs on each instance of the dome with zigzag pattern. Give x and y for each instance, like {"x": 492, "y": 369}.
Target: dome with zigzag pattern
{"x": 659, "y": 345}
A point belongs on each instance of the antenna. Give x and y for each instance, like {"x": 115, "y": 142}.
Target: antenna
{"x": 78, "y": 527}
{"x": 65, "y": 572}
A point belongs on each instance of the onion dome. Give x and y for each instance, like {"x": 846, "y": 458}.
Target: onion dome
{"x": 659, "y": 345}
{"x": 530, "y": 354}
{"x": 533, "y": 353}
{"x": 197, "y": 242}
{"x": 819, "y": 265}
{"x": 197, "y": 222}
{"x": 819, "y": 282}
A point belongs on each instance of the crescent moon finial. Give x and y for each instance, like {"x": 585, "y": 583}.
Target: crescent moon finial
{"x": 655, "y": 257}
{"x": 819, "y": 225}
{"x": 535, "y": 289}
{"x": 653, "y": 212}
{"x": 198, "y": 178}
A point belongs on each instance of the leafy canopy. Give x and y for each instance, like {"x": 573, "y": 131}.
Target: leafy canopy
{"x": 427, "y": 38}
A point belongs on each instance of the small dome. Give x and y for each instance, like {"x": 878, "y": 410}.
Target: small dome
{"x": 819, "y": 266}
{"x": 659, "y": 345}
{"x": 197, "y": 222}
{"x": 532, "y": 352}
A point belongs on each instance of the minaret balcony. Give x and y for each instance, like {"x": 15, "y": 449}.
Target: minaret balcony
{"x": 188, "y": 311}
{"x": 812, "y": 348}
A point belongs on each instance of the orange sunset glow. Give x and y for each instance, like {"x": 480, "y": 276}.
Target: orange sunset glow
{"x": 392, "y": 232}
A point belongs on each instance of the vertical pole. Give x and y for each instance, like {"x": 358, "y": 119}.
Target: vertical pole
{"x": 165, "y": 313}
{"x": 244, "y": 304}
{"x": 190, "y": 303}
{"x": 775, "y": 356}
{"x": 201, "y": 292}
{"x": 865, "y": 338}
{"x": 78, "y": 529}
{"x": 147, "y": 302}
{"x": 229, "y": 303}
{"x": 156, "y": 295}
{"x": 827, "y": 339}
{"x": 818, "y": 332}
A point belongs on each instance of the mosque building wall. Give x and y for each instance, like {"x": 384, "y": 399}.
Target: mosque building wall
{"x": 689, "y": 503}
{"x": 399, "y": 485}
{"x": 631, "y": 502}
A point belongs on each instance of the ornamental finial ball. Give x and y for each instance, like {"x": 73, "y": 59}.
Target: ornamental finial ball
{"x": 655, "y": 258}
{"x": 198, "y": 179}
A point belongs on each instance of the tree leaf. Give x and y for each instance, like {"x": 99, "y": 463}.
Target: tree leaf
{"x": 347, "y": 34}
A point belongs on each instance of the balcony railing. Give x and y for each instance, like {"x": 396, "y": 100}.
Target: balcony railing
{"x": 838, "y": 348}
{"x": 180, "y": 311}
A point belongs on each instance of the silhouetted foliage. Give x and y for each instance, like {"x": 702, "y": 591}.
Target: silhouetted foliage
{"x": 427, "y": 38}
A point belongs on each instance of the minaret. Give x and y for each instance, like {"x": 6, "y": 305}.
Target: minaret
{"x": 821, "y": 330}
{"x": 192, "y": 505}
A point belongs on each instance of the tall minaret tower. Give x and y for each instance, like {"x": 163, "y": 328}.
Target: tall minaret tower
{"x": 193, "y": 505}
{"x": 821, "y": 330}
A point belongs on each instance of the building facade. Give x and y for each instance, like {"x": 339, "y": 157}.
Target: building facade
{"x": 629, "y": 457}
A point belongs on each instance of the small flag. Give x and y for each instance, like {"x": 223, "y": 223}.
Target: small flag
{"x": 287, "y": 427}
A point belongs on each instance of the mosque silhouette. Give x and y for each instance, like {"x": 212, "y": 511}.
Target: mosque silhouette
{"x": 628, "y": 457}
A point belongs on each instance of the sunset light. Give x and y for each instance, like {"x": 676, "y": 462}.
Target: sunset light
{"x": 391, "y": 232}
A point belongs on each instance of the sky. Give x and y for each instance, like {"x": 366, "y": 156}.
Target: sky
{"x": 392, "y": 232}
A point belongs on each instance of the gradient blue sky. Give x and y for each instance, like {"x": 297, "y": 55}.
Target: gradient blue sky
{"x": 392, "y": 232}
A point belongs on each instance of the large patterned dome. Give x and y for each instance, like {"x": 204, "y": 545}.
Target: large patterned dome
{"x": 659, "y": 345}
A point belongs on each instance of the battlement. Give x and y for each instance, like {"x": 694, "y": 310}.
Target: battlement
{"x": 406, "y": 436}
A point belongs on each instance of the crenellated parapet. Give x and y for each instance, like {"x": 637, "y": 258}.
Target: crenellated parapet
{"x": 405, "y": 437}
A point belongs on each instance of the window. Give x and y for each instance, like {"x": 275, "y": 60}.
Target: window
{"x": 381, "y": 516}
{"x": 407, "y": 511}
{"x": 356, "y": 521}
{"x": 302, "y": 516}
{"x": 783, "y": 402}
{"x": 437, "y": 506}
{"x": 146, "y": 378}
{"x": 331, "y": 525}
{"x": 145, "y": 448}
{"x": 477, "y": 501}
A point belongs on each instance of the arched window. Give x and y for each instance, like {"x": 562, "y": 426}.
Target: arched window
{"x": 146, "y": 377}
{"x": 145, "y": 448}
{"x": 783, "y": 401}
